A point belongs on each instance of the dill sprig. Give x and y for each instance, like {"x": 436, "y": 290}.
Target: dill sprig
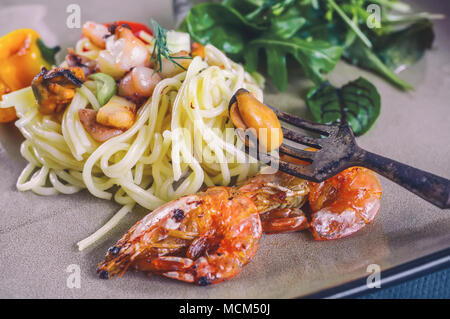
{"x": 160, "y": 49}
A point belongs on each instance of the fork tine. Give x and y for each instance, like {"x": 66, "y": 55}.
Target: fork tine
{"x": 301, "y": 139}
{"x": 302, "y": 171}
{"x": 297, "y": 153}
{"x": 321, "y": 129}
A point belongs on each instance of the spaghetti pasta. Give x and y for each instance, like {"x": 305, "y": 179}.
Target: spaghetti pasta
{"x": 180, "y": 140}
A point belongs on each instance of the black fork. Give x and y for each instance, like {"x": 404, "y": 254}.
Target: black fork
{"x": 337, "y": 150}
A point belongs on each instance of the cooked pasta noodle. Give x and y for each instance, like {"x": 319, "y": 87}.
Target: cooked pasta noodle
{"x": 178, "y": 143}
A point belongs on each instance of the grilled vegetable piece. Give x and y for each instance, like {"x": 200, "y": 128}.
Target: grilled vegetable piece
{"x": 98, "y": 132}
{"x": 117, "y": 113}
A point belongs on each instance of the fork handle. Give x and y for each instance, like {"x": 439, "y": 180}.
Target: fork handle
{"x": 432, "y": 188}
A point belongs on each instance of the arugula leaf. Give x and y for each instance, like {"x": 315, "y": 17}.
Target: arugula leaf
{"x": 393, "y": 51}
{"x": 358, "y": 54}
{"x": 48, "y": 53}
{"x": 400, "y": 49}
{"x": 253, "y": 10}
{"x": 357, "y": 103}
{"x": 221, "y": 26}
{"x": 268, "y": 10}
{"x": 314, "y": 57}
{"x": 288, "y": 23}
{"x": 314, "y": 32}
{"x": 245, "y": 7}
{"x": 351, "y": 23}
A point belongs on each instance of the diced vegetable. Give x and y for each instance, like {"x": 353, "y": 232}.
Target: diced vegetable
{"x": 197, "y": 50}
{"x": 178, "y": 41}
{"x": 106, "y": 87}
{"x": 117, "y": 113}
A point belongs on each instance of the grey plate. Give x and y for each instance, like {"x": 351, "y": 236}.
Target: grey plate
{"x": 38, "y": 234}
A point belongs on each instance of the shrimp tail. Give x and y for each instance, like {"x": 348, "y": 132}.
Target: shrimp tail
{"x": 278, "y": 198}
{"x": 141, "y": 240}
{"x": 284, "y": 220}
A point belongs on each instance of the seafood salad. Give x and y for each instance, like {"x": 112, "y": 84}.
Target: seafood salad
{"x": 140, "y": 115}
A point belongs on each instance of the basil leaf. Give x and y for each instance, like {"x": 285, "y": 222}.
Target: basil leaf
{"x": 106, "y": 87}
{"x": 315, "y": 57}
{"x": 48, "y": 53}
{"x": 357, "y": 103}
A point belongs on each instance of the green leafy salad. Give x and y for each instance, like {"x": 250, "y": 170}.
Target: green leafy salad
{"x": 382, "y": 36}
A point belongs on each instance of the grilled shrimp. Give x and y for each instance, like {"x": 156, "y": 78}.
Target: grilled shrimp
{"x": 203, "y": 239}
{"x": 139, "y": 83}
{"x": 208, "y": 237}
{"x": 124, "y": 51}
{"x": 339, "y": 206}
{"x": 344, "y": 204}
{"x": 278, "y": 198}
{"x": 96, "y": 33}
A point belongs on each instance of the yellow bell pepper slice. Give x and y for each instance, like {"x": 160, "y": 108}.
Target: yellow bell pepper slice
{"x": 20, "y": 60}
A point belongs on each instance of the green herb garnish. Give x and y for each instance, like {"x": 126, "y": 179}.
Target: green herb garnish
{"x": 315, "y": 33}
{"x": 160, "y": 49}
